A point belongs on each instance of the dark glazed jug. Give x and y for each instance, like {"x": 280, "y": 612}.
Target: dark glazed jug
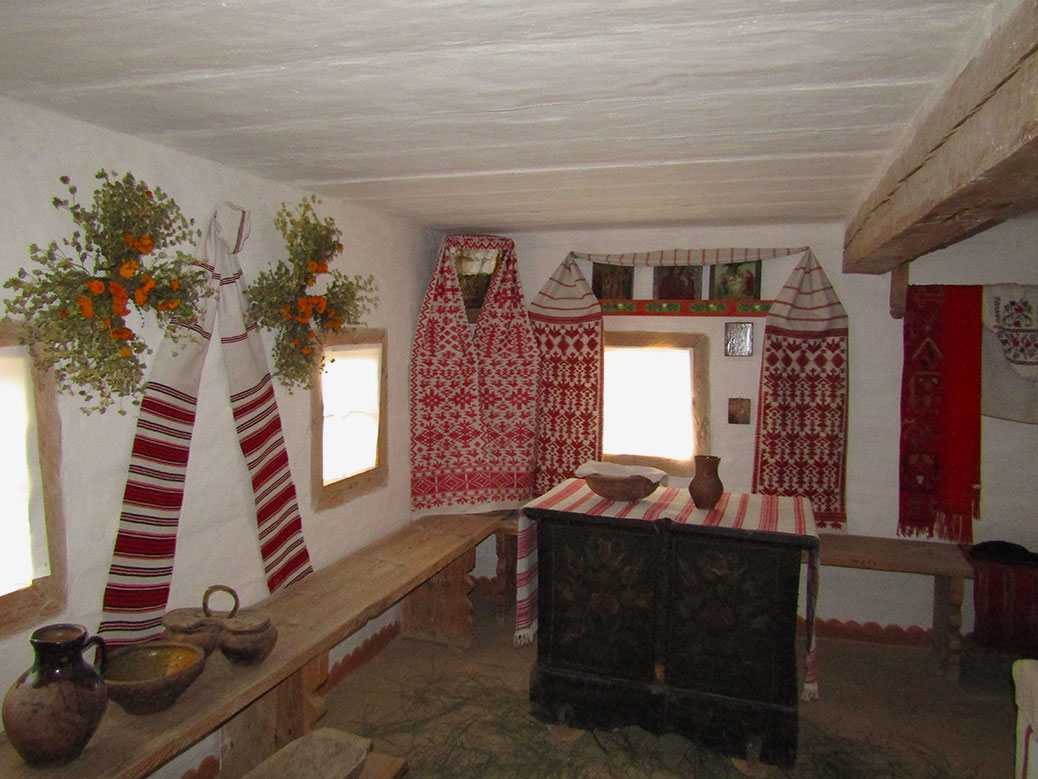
{"x": 706, "y": 487}
{"x": 53, "y": 709}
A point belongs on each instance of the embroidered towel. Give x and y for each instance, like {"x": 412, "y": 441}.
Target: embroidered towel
{"x": 142, "y": 561}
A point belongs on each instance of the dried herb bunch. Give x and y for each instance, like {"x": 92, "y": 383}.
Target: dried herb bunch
{"x": 121, "y": 257}
{"x": 301, "y": 299}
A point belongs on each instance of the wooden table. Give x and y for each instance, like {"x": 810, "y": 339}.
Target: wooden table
{"x": 682, "y": 620}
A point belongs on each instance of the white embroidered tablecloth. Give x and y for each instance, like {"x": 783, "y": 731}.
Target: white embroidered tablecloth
{"x": 748, "y": 511}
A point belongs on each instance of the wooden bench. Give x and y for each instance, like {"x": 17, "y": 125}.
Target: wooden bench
{"x": 259, "y": 710}
{"x": 945, "y": 562}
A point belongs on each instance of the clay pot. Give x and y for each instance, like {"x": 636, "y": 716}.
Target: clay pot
{"x": 53, "y": 709}
{"x": 191, "y": 626}
{"x": 706, "y": 487}
{"x": 148, "y": 678}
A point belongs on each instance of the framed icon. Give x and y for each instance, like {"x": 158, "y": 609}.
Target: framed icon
{"x": 738, "y": 411}
{"x": 677, "y": 282}
{"x": 735, "y": 280}
{"x": 738, "y": 339}
{"x": 612, "y": 282}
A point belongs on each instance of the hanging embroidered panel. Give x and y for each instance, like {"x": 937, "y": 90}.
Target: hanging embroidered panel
{"x": 567, "y": 324}
{"x": 472, "y": 395}
{"x": 141, "y": 571}
{"x": 940, "y": 412}
{"x": 801, "y": 440}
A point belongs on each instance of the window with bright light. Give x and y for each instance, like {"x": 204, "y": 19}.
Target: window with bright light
{"x": 655, "y": 399}
{"x": 349, "y": 424}
{"x": 32, "y": 544}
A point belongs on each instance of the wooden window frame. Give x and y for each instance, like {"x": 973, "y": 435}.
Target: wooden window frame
{"x": 46, "y": 595}
{"x": 700, "y": 346}
{"x": 327, "y": 496}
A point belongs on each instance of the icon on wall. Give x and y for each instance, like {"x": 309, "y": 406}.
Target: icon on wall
{"x": 738, "y": 411}
{"x": 677, "y": 282}
{"x": 735, "y": 281}
{"x": 738, "y": 339}
{"x": 612, "y": 282}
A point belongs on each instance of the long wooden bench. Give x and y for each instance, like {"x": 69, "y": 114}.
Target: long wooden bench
{"x": 261, "y": 709}
{"x": 945, "y": 562}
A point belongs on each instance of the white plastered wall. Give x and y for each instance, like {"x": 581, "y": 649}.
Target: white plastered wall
{"x": 217, "y": 539}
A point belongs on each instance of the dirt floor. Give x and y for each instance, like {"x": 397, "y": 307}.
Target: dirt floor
{"x": 884, "y": 712}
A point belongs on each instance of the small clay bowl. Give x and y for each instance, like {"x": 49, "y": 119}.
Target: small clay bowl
{"x": 624, "y": 488}
{"x": 148, "y": 678}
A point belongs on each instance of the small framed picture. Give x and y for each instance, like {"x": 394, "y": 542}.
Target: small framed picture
{"x": 735, "y": 280}
{"x": 738, "y": 339}
{"x": 677, "y": 282}
{"x": 738, "y": 411}
{"x": 612, "y": 282}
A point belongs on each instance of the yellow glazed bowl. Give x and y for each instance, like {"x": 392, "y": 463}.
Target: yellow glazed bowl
{"x": 148, "y": 678}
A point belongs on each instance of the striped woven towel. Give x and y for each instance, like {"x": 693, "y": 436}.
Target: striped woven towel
{"x": 142, "y": 562}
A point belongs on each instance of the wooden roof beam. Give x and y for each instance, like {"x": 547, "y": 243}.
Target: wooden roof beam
{"x": 972, "y": 163}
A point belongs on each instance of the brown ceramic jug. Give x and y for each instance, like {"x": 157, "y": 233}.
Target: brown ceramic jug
{"x": 706, "y": 487}
{"x": 53, "y": 709}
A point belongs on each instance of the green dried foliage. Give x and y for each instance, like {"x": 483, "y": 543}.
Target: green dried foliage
{"x": 123, "y": 256}
{"x": 288, "y": 299}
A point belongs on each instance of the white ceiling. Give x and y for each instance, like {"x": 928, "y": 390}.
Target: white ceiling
{"x": 511, "y": 115}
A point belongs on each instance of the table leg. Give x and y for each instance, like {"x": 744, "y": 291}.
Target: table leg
{"x": 507, "y": 543}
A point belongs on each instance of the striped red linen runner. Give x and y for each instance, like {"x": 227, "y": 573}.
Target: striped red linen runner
{"x": 801, "y": 441}
{"x": 473, "y": 395}
{"x": 748, "y": 511}
{"x": 676, "y": 257}
{"x": 141, "y": 571}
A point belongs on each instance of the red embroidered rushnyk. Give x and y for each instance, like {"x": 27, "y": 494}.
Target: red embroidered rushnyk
{"x": 473, "y": 396}
{"x": 940, "y": 412}
{"x": 802, "y": 410}
{"x": 567, "y": 323}
{"x": 142, "y": 562}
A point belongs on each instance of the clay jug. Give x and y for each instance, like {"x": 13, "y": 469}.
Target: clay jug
{"x": 706, "y": 487}
{"x": 53, "y": 709}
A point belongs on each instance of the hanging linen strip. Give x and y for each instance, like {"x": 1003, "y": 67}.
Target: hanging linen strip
{"x": 687, "y": 256}
{"x": 142, "y": 563}
{"x": 1011, "y": 312}
{"x": 473, "y": 397}
{"x": 801, "y": 440}
{"x": 940, "y": 412}
{"x": 567, "y": 325}
{"x": 1009, "y": 353}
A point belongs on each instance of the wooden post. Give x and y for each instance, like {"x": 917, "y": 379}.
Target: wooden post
{"x": 440, "y": 609}
{"x": 898, "y": 290}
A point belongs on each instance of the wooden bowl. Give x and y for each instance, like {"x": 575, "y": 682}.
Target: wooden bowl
{"x": 625, "y": 488}
{"x": 148, "y": 678}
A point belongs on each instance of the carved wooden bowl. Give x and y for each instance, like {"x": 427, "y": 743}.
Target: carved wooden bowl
{"x": 624, "y": 488}
{"x": 148, "y": 678}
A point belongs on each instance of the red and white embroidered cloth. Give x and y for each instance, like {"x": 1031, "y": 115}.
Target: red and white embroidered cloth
{"x": 801, "y": 446}
{"x": 567, "y": 325}
{"x": 779, "y": 514}
{"x": 142, "y": 561}
{"x": 473, "y": 396}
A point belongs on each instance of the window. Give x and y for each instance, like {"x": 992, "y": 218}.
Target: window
{"x": 32, "y": 534}
{"x": 348, "y": 418}
{"x": 656, "y": 405}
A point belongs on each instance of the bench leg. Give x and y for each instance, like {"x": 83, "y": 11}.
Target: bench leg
{"x": 947, "y": 623}
{"x": 264, "y": 726}
{"x": 440, "y": 609}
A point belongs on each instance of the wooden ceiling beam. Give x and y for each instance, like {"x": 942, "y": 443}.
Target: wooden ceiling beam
{"x": 972, "y": 163}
